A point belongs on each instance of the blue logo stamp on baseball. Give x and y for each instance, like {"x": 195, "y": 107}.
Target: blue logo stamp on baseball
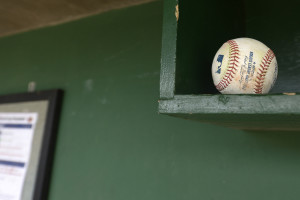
{"x": 219, "y": 60}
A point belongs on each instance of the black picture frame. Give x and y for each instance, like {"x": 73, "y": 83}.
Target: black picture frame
{"x": 46, "y": 154}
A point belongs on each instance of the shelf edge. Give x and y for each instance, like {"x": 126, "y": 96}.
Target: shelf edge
{"x": 231, "y": 104}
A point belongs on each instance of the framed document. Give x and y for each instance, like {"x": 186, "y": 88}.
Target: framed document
{"x": 28, "y": 126}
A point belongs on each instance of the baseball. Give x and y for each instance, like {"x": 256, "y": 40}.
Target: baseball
{"x": 244, "y": 66}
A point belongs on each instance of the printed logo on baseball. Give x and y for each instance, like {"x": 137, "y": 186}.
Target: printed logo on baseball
{"x": 244, "y": 66}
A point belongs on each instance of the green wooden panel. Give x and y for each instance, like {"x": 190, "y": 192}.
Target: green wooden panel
{"x": 168, "y": 55}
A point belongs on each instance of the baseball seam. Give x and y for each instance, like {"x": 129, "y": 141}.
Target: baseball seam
{"x": 234, "y": 53}
{"x": 262, "y": 71}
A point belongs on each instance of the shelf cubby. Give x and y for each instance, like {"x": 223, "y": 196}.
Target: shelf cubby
{"x": 194, "y": 30}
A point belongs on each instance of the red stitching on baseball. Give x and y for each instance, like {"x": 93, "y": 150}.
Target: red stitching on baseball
{"x": 234, "y": 53}
{"x": 265, "y": 63}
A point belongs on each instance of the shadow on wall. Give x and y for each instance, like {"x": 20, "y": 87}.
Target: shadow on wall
{"x": 283, "y": 140}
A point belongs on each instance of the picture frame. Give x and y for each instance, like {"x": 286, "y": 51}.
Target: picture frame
{"x": 39, "y": 150}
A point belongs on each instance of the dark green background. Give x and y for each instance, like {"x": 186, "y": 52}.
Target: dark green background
{"x": 113, "y": 145}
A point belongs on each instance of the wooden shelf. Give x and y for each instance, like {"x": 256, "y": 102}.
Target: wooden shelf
{"x": 188, "y": 47}
{"x": 251, "y": 112}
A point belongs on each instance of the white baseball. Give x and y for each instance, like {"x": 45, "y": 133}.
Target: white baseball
{"x": 244, "y": 66}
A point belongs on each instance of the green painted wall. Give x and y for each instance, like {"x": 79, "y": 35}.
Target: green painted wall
{"x": 112, "y": 144}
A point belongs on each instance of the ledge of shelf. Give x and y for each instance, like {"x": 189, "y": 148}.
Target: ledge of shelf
{"x": 232, "y": 104}
{"x": 247, "y": 112}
